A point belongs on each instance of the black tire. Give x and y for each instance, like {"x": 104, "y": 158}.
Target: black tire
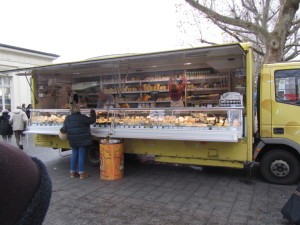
{"x": 280, "y": 167}
{"x": 92, "y": 155}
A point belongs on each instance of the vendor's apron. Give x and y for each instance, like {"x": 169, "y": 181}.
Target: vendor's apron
{"x": 177, "y": 103}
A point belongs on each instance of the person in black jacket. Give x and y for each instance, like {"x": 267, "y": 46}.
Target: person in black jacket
{"x": 28, "y": 109}
{"x": 25, "y": 190}
{"x": 5, "y": 128}
{"x": 77, "y": 127}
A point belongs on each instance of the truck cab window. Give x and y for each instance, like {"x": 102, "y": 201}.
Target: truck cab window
{"x": 287, "y": 86}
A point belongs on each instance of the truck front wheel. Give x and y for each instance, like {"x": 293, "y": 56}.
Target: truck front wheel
{"x": 280, "y": 167}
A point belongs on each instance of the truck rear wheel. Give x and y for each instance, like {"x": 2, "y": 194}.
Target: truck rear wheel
{"x": 280, "y": 167}
{"x": 92, "y": 154}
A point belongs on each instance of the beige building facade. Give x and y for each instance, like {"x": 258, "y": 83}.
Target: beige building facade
{"x": 15, "y": 89}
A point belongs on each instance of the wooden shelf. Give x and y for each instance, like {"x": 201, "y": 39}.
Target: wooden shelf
{"x": 208, "y": 89}
{"x": 143, "y": 102}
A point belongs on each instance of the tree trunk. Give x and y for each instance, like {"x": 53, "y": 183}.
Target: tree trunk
{"x": 274, "y": 49}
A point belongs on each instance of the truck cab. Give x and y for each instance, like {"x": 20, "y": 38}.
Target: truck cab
{"x": 279, "y": 127}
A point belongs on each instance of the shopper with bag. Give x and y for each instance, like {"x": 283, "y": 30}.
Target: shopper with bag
{"x": 18, "y": 120}
{"x": 291, "y": 209}
{"x": 77, "y": 128}
{"x": 5, "y": 128}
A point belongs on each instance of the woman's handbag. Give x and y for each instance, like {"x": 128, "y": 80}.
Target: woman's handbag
{"x": 62, "y": 136}
{"x": 291, "y": 209}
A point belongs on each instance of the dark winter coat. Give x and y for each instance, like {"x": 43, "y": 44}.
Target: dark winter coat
{"x": 27, "y": 111}
{"x": 5, "y": 127}
{"x": 77, "y": 127}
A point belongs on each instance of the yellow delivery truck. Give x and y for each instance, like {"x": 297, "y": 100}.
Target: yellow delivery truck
{"x": 229, "y": 118}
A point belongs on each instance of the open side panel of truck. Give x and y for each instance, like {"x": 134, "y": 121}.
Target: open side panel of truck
{"x": 140, "y": 80}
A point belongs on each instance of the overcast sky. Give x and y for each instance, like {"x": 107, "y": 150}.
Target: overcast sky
{"x": 77, "y": 30}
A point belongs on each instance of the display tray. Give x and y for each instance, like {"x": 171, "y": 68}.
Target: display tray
{"x": 191, "y": 124}
{"x": 221, "y": 134}
{"x": 177, "y": 134}
{"x": 53, "y": 130}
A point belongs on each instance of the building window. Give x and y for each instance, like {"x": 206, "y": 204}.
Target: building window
{"x": 5, "y": 93}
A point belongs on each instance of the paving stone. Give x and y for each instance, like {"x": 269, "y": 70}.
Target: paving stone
{"x": 217, "y": 220}
{"x": 173, "y": 205}
{"x": 233, "y": 219}
{"x": 215, "y": 195}
{"x": 229, "y": 197}
{"x": 181, "y": 198}
{"x": 165, "y": 197}
{"x": 153, "y": 195}
{"x": 224, "y": 204}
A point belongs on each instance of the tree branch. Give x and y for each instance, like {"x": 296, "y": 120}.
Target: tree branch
{"x": 288, "y": 10}
{"x": 249, "y": 7}
{"x": 296, "y": 22}
{"x": 225, "y": 19}
{"x": 227, "y": 30}
{"x": 292, "y": 56}
{"x": 294, "y": 29}
{"x": 258, "y": 51}
{"x": 207, "y": 42}
{"x": 238, "y": 31}
{"x": 265, "y": 13}
{"x": 292, "y": 45}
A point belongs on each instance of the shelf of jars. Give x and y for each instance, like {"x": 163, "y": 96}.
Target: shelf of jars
{"x": 135, "y": 92}
{"x": 138, "y": 81}
{"x": 148, "y": 91}
{"x": 202, "y": 103}
{"x": 192, "y": 124}
{"x": 149, "y": 79}
{"x": 200, "y": 77}
{"x": 208, "y": 89}
{"x": 204, "y": 77}
{"x": 144, "y": 102}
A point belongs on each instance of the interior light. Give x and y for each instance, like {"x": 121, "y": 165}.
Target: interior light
{"x": 187, "y": 63}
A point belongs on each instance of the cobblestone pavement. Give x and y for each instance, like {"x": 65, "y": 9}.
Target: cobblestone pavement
{"x": 152, "y": 194}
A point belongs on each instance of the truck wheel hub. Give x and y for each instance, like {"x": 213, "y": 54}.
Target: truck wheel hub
{"x": 280, "y": 168}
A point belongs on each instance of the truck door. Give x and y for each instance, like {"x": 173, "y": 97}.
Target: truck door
{"x": 286, "y": 105}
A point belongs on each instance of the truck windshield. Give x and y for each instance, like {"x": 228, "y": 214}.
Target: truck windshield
{"x": 287, "y": 88}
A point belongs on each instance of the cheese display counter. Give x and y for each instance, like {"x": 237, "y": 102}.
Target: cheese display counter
{"x": 223, "y": 124}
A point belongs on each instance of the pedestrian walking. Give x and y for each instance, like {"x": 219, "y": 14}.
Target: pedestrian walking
{"x": 23, "y": 107}
{"x": 5, "y": 128}
{"x": 77, "y": 127}
{"x": 18, "y": 120}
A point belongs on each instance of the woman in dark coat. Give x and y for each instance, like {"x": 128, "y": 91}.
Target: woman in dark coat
{"x": 28, "y": 109}
{"x": 5, "y": 128}
{"x": 77, "y": 127}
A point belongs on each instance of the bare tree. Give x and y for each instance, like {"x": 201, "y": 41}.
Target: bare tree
{"x": 271, "y": 25}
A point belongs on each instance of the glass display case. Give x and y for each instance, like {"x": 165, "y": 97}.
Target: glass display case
{"x": 224, "y": 124}
{"x": 49, "y": 121}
